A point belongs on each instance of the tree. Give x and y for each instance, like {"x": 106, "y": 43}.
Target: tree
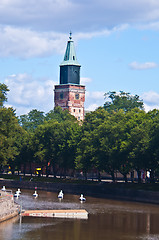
{"x": 138, "y": 140}
{"x": 10, "y": 134}
{"x": 55, "y": 143}
{"x": 153, "y": 150}
{"x": 31, "y": 120}
{"x": 3, "y": 92}
{"x": 111, "y": 141}
{"x": 84, "y": 154}
{"x": 26, "y": 153}
{"x": 112, "y": 137}
{"x": 59, "y": 115}
{"x": 71, "y": 136}
{"x": 122, "y": 100}
{"x": 88, "y": 154}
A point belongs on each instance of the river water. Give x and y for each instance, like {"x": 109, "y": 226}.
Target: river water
{"x": 107, "y": 220}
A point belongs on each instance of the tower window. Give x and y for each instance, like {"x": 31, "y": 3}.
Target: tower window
{"x": 73, "y": 57}
{"x": 77, "y": 96}
{"x": 61, "y": 95}
{"x": 74, "y": 110}
{"x": 79, "y": 110}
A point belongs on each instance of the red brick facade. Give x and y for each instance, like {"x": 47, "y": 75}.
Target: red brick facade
{"x": 71, "y": 97}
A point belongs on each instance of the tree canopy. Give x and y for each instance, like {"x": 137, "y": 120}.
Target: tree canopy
{"x": 3, "y": 92}
{"x": 122, "y": 100}
{"x": 119, "y": 137}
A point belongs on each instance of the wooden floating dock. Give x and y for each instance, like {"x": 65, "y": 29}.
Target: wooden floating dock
{"x": 69, "y": 213}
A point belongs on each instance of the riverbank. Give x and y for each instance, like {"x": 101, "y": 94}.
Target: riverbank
{"x": 113, "y": 191}
{"x": 8, "y": 208}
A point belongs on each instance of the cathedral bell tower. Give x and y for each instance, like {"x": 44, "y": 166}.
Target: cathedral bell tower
{"x": 69, "y": 94}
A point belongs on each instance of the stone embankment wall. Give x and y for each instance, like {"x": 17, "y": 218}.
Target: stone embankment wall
{"x": 8, "y": 208}
{"x": 103, "y": 190}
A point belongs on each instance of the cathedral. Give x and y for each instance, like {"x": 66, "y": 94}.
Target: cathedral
{"x": 69, "y": 94}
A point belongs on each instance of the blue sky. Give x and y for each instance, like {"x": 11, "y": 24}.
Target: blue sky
{"x": 117, "y": 45}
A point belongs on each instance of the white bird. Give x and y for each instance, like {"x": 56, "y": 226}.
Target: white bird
{"x": 17, "y": 194}
{"x": 82, "y": 198}
{"x": 18, "y": 191}
{"x": 35, "y": 194}
{"x": 60, "y": 195}
{"x": 3, "y": 188}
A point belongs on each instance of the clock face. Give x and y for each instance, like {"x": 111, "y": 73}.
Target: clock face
{"x": 77, "y": 95}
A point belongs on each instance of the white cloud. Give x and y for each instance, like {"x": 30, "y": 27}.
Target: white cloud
{"x": 61, "y": 15}
{"x": 95, "y": 95}
{"x": 99, "y": 33}
{"x": 151, "y": 98}
{"x": 150, "y": 107}
{"x": 26, "y": 43}
{"x": 143, "y": 66}
{"x": 42, "y": 15}
{"x": 92, "y": 107}
{"x": 85, "y": 80}
{"x": 27, "y": 93}
{"x": 94, "y": 100}
{"x": 150, "y": 25}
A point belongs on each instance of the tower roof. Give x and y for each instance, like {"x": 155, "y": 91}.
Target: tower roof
{"x": 70, "y": 54}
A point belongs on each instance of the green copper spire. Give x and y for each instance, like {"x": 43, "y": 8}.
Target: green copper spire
{"x": 70, "y": 54}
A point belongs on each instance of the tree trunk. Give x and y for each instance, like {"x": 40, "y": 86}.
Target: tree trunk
{"x": 125, "y": 177}
{"x": 30, "y": 169}
{"x": 139, "y": 176}
{"x": 113, "y": 176}
{"x": 65, "y": 173}
{"x": 99, "y": 176}
{"x": 85, "y": 175}
{"x": 54, "y": 172}
{"x": 47, "y": 171}
{"x": 152, "y": 176}
{"x": 132, "y": 176}
{"x": 24, "y": 171}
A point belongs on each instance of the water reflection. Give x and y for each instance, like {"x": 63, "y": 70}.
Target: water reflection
{"x": 107, "y": 219}
{"x": 6, "y": 228}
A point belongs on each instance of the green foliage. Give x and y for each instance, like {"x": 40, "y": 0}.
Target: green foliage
{"x": 59, "y": 115}
{"x": 3, "y": 92}
{"x": 56, "y": 143}
{"x": 35, "y": 118}
{"x": 114, "y": 141}
{"x": 31, "y": 120}
{"x": 122, "y": 100}
{"x": 121, "y": 137}
{"x": 10, "y": 135}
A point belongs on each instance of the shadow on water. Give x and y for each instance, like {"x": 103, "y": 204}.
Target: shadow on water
{"x": 107, "y": 219}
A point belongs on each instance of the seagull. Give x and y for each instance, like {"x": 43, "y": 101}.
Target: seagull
{"x": 60, "y": 195}
{"x": 35, "y": 194}
{"x": 3, "y": 188}
{"x": 17, "y": 194}
{"x": 82, "y": 198}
